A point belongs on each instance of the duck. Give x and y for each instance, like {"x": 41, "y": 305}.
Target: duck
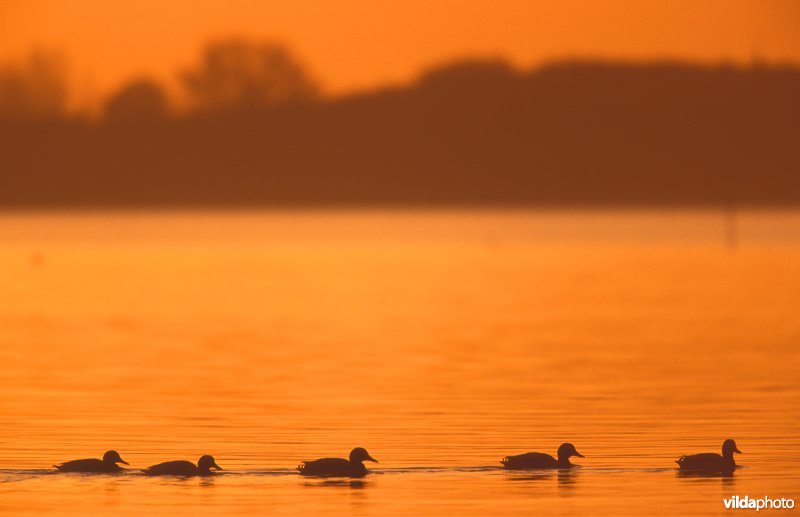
{"x": 711, "y": 462}
{"x": 184, "y": 468}
{"x": 540, "y": 460}
{"x": 107, "y": 465}
{"x": 338, "y": 467}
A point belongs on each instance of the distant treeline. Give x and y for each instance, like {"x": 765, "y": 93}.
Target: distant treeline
{"x": 257, "y": 132}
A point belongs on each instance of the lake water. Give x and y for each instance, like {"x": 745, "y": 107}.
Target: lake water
{"x": 440, "y": 341}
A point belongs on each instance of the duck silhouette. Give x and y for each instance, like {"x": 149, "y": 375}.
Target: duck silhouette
{"x": 338, "y": 467}
{"x": 711, "y": 462}
{"x": 106, "y": 465}
{"x": 540, "y": 460}
{"x": 184, "y": 468}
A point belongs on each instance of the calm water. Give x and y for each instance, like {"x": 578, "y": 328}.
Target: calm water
{"x": 441, "y": 342}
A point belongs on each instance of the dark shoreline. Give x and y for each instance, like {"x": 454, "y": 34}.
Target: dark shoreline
{"x": 475, "y": 133}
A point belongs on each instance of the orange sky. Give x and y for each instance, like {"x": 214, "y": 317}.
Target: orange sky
{"x": 356, "y": 44}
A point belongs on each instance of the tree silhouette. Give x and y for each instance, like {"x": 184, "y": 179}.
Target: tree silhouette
{"x": 470, "y": 73}
{"x": 33, "y": 89}
{"x": 139, "y": 100}
{"x": 236, "y": 75}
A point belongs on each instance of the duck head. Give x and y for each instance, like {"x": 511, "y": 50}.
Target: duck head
{"x": 206, "y": 463}
{"x": 112, "y": 457}
{"x": 359, "y": 455}
{"x": 566, "y": 451}
{"x": 729, "y": 447}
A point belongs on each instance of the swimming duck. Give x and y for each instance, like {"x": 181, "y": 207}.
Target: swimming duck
{"x": 540, "y": 460}
{"x": 184, "y": 468}
{"x": 711, "y": 462}
{"x": 107, "y": 464}
{"x": 330, "y": 467}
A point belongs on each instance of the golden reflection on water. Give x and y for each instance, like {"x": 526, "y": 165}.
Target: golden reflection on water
{"x": 440, "y": 341}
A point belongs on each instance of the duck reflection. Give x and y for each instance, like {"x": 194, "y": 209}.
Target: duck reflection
{"x": 357, "y": 484}
{"x": 565, "y": 477}
{"x": 207, "y": 481}
{"x": 727, "y": 478}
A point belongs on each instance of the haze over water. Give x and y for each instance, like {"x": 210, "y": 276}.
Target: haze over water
{"x": 440, "y": 341}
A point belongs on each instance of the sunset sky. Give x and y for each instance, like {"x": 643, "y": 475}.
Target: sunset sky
{"x": 358, "y": 44}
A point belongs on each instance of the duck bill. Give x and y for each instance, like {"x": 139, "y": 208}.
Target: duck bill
{"x": 217, "y": 467}
{"x": 737, "y": 450}
{"x": 370, "y": 458}
{"x": 578, "y": 454}
{"x": 123, "y": 461}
